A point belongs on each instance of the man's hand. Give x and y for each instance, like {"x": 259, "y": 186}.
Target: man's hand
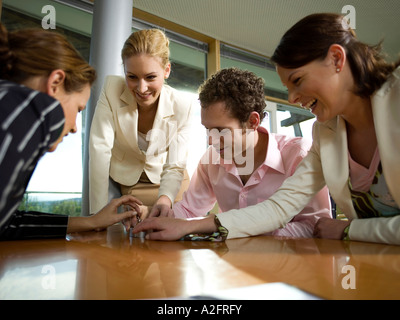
{"x": 162, "y": 228}
{"x": 170, "y": 229}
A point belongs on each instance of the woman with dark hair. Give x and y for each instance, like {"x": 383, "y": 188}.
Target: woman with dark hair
{"x": 355, "y": 95}
{"x": 44, "y": 83}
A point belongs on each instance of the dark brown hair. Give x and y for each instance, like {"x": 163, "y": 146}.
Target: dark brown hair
{"x": 242, "y": 91}
{"x": 310, "y": 39}
{"x": 36, "y": 52}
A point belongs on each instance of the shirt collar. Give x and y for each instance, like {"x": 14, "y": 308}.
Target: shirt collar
{"x": 272, "y": 160}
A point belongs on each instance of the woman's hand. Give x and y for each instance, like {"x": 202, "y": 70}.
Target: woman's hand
{"x": 162, "y": 208}
{"x": 109, "y": 214}
{"x": 330, "y": 228}
{"x": 105, "y": 217}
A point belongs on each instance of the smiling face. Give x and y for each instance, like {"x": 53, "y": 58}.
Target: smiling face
{"x": 322, "y": 86}
{"x": 313, "y": 86}
{"x": 145, "y": 77}
{"x": 225, "y": 133}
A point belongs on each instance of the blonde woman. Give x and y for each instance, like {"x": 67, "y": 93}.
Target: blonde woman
{"x": 140, "y": 129}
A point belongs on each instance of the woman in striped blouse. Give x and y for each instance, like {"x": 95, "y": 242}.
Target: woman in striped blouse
{"x": 44, "y": 83}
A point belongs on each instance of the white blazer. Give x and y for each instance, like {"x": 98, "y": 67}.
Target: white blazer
{"x": 327, "y": 163}
{"x": 113, "y": 146}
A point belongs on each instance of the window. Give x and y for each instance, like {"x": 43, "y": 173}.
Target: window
{"x": 56, "y": 184}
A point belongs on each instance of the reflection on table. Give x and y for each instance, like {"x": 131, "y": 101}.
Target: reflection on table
{"x": 112, "y": 265}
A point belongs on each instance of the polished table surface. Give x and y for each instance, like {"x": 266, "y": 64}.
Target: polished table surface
{"x": 112, "y": 265}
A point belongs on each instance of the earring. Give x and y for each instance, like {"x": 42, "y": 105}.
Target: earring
{"x": 337, "y": 70}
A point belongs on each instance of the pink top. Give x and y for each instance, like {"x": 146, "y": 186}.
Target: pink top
{"x": 361, "y": 177}
{"x": 215, "y": 181}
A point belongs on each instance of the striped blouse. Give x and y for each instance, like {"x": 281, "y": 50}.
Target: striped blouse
{"x": 30, "y": 122}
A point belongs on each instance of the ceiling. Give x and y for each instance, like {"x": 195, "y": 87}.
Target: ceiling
{"x": 257, "y": 25}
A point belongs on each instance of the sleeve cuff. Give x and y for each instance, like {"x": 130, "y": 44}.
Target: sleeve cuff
{"x": 218, "y": 236}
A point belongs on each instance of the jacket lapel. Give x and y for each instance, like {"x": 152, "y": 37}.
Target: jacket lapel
{"x": 127, "y": 115}
{"x": 386, "y": 110}
{"x": 334, "y": 159}
{"x": 162, "y": 130}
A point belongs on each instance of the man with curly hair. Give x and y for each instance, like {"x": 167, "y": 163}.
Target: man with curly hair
{"x": 245, "y": 164}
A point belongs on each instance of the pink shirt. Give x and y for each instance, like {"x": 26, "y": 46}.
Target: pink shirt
{"x": 215, "y": 181}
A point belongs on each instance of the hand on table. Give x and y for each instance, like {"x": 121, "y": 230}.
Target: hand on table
{"x": 163, "y": 228}
{"x": 105, "y": 217}
{"x": 169, "y": 229}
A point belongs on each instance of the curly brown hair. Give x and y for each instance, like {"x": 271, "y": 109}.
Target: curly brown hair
{"x": 242, "y": 91}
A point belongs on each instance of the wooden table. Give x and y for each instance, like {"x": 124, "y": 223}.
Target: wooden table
{"x": 111, "y": 265}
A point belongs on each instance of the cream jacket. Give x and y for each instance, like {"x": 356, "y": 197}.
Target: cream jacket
{"x": 327, "y": 163}
{"x": 113, "y": 146}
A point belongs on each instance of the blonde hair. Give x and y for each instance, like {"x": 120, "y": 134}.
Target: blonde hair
{"x": 152, "y": 42}
{"x": 36, "y": 52}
